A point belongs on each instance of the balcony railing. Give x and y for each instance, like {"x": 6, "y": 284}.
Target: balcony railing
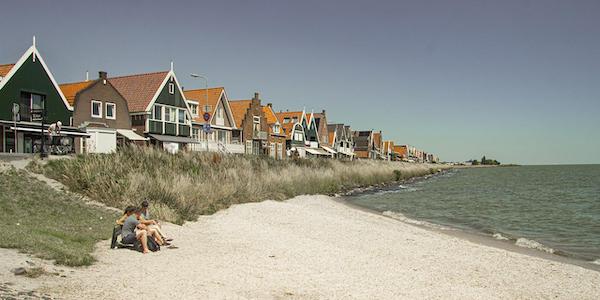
{"x": 218, "y": 147}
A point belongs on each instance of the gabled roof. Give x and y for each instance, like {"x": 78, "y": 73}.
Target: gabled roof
{"x": 11, "y": 69}
{"x": 4, "y": 69}
{"x": 200, "y": 96}
{"x": 239, "y": 109}
{"x": 332, "y": 136}
{"x": 140, "y": 90}
{"x": 388, "y": 146}
{"x": 377, "y": 139}
{"x": 289, "y": 127}
{"x": 70, "y": 90}
{"x": 270, "y": 115}
{"x": 401, "y": 149}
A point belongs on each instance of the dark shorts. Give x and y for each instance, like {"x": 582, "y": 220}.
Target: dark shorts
{"x": 129, "y": 239}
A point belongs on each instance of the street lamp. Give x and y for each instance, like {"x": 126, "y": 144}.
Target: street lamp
{"x": 194, "y": 75}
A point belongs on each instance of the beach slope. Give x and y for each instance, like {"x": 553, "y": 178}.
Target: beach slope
{"x": 313, "y": 247}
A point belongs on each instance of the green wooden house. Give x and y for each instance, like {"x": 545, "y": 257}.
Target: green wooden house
{"x": 26, "y": 86}
{"x": 158, "y": 108}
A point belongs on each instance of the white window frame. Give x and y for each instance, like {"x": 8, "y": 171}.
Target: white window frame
{"x": 171, "y": 88}
{"x": 173, "y": 114}
{"x": 114, "y": 111}
{"x": 207, "y": 108}
{"x": 280, "y": 150}
{"x": 249, "y": 147}
{"x": 99, "y": 115}
{"x": 276, "y": 128}
{"x": 194, "y": 109}
{"x": 161, "y": 112}
{"x": 272, "y": 150}
{"x": 179, "y": 111}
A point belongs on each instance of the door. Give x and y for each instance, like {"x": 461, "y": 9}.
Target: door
{"x": 102, "y": 141}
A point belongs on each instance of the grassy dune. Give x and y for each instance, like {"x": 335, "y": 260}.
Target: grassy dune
{"x": 47, "y": 223}
{"x": 186, "y": 185}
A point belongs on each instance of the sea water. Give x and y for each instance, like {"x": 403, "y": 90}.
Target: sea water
{"x": 555, "y": 209}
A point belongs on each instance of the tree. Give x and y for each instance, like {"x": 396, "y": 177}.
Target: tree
{"x": 483, "y": 160}
{"x": 474, "y": 162}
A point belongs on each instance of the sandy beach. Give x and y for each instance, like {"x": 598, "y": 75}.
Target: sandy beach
{"x": 313, "y": 247}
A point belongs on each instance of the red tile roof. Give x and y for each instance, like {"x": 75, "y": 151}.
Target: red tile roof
{"x": 401, "y": 150}
{"x": 70, "y": 90}
{"x": 139, "y": 89}
{"x": 287, "y": 127}
{"x": 377, "y": 139}
{"x": 4, "y": 69}
{"x": 331, "y": 137}
{"x": 239, "y": 109}
{"x": 270, "y": 115}
{"x": 199, "y": 95}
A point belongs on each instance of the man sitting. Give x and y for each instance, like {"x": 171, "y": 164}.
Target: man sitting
{"x": 134, "y": 230}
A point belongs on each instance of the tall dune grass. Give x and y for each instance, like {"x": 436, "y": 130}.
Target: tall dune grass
{"x": 186, "y": 185}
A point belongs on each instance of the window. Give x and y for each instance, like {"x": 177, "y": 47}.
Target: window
{"x": 207, "y": 108}
{"x": 272, "y": 150}
{"x": 28, "y": 103}
{"x": 286, "y": 120}
{"x": 170, "y": 114}
{"x": 111, "y": 111}
{"x": 171, "y": 88}
{"x": 256, "y": 123}
{"x": 194, "y": 109}
{"x": 181, "y": 116}
{"x": 280, "y": 150}
{"x": 276, "y": 128}
{"x": 222, "y": 136}
{"x": 195, "y": 134}
{"x": 220, "y": 112}
{"x": 249, "y": 147}
{"x": 158, "y": 110}
{"x": 295, "y": 119}
{"x": 96, "y": 109}
{"x": 36, "y": 101}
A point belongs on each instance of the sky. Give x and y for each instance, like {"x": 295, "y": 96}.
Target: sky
{"x": 517, "y": 81}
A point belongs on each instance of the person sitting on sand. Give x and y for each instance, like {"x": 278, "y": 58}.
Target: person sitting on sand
{"x": 152, "y": 224}
{"x": 149, "y": 225}
{"x": 130, "y": 234}
{"x": 134, "y": 230}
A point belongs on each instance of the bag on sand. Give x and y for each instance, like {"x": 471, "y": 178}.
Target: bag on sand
{"x": 152, "y": 245}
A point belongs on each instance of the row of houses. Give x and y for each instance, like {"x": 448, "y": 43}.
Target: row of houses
{"x": 99, "y": 115}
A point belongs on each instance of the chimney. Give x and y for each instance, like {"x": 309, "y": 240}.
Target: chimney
{"x": 256, "y": 99}
{"x": 270, "y": 105}
{"x": 323, "y": 112}
{"x": 102, "y": 75}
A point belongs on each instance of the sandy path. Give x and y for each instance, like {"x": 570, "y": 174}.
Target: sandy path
{"x": 314, "y": 247}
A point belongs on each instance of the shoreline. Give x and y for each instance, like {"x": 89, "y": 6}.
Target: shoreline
{"x": 478, "y": 238}
{"x": 472, "y": 235}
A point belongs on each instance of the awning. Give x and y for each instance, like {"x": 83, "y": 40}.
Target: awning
{"x": 131, "y": 135}
{"x": 174, "y": 139}
{"x": 317, "y": 151}
{"x": 329, "y": 150}
{"x": 62, "y": 132}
